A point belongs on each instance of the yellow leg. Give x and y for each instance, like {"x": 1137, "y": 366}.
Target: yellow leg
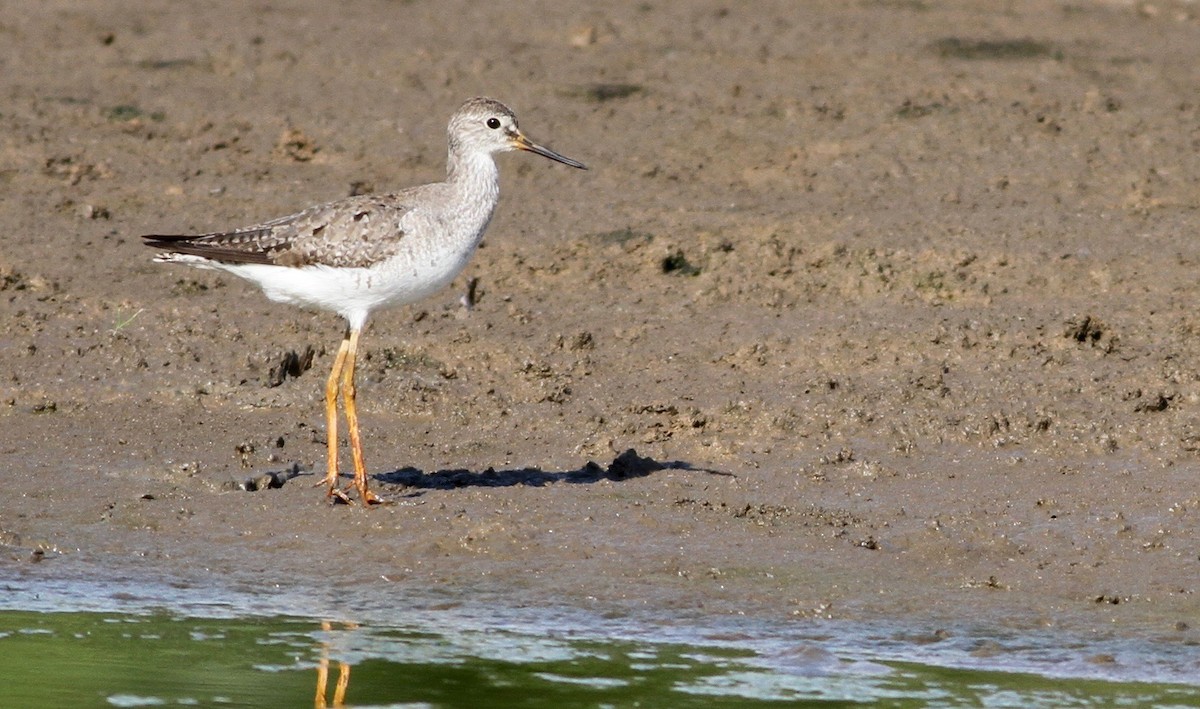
{"x": 343, "y": 683}
{"x": 343, "y": 680}
{"x": 331, "y": 424}
{"x": 348, "y": 393}
{"x": 322, "y": 670}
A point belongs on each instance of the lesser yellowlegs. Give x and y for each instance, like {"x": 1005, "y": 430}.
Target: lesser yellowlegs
{"x": 366, "y": 252}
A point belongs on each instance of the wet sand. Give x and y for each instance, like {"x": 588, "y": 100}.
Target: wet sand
{"x": 892, "y": 302}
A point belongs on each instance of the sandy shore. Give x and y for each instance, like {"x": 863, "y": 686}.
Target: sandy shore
{"x": 895, "y": 303}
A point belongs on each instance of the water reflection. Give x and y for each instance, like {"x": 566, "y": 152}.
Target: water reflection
{"x": 343, "y": 680}
{"x": 453, "y": 657}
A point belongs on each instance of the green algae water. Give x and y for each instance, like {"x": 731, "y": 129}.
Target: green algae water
{"x": 110, "y": 644}
{"x": 98, "y": 659}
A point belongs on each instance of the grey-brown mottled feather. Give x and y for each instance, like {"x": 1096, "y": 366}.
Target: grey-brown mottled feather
{"x": 351, "y": 233}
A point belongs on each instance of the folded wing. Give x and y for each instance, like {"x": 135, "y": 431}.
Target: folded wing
{"x": 352, "y": 233}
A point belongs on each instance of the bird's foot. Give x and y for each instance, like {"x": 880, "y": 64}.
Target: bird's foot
{"x": 365, "y": 497}
{"x": 370, "y": 498}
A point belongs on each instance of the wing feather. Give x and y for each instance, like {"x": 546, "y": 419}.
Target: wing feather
{"x": 350, "y": 233}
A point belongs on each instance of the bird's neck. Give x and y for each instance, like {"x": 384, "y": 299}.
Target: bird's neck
{"x": 474, "y": 181}
{"x": 474, "y": 173}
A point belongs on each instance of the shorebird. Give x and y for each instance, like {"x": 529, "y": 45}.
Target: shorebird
{"x": 359, "y": 254}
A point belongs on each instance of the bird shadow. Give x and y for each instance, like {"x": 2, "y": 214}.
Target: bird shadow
{"x": 626, "y": 466}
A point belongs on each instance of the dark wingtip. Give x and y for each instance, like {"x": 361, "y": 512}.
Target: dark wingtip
{"x": 164, "y": 240}
{"x": 186, "y": 244}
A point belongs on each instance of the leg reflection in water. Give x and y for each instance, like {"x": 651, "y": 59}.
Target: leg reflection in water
{"x": 343, "y": 681}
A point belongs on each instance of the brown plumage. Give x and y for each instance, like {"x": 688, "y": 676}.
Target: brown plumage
{"x": 304, "y": 238}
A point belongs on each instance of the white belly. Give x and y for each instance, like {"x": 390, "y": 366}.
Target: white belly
{"x": 355, "y": 292}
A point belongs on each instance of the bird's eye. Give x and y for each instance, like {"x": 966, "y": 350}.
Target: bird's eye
{"x": 493, "y": 123}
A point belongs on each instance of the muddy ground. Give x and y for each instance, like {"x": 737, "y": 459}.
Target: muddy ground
{"x": 895, "y": 302}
